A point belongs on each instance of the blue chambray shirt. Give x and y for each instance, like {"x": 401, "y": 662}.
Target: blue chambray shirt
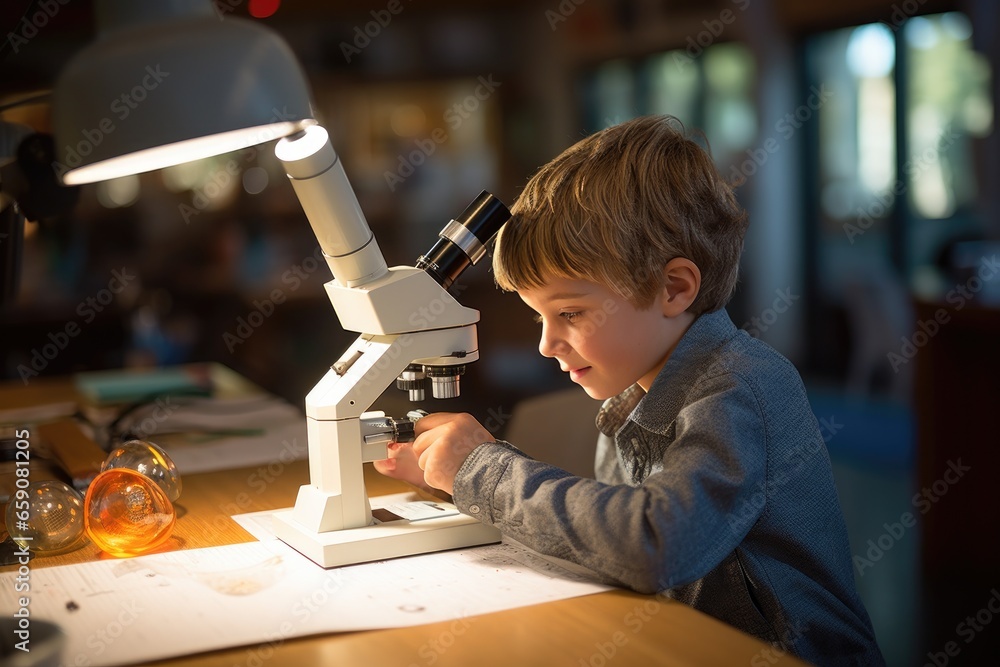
{"x": 716, "y": 490}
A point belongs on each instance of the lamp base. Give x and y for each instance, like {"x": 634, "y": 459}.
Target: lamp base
{"x": 392, "y": 537}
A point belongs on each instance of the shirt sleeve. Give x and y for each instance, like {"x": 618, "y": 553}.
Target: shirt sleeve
{"x": 671, "y": 530}
{"x": 607, "y": 466}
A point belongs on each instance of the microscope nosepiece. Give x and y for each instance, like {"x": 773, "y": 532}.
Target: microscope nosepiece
{"x": 412, "y": 380}
{"x": 445, "y": 380}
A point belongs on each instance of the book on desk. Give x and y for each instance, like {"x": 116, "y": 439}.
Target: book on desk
{"x": 204, "y": 415}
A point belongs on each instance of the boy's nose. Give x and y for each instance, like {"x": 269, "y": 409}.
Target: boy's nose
{"x": 550, "y": 345}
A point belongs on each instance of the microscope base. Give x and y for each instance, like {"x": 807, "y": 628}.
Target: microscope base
{"x": 380, "y": 541}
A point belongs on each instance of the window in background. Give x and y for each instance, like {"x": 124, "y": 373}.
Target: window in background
{"x": 891, "y": 180}
{"x": 712, "y": 94}
{"x": 611, "y": 94}
{"x": 948, "y": 104}
{"x": 729, "y": 116}
{"x": 893, "y": 149}
{"x": 856, "y": 157}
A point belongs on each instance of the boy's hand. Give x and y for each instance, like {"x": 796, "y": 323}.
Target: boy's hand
{"x": 402, "y": 464}
{"x": 444, "y": 440}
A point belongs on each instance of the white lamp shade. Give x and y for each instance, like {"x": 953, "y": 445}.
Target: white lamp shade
{"x": 154, "y": 91}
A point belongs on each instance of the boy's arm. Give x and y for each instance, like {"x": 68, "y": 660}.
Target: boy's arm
{"x": 672, "y": 530}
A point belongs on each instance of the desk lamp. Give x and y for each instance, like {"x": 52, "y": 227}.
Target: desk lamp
{"x": 168, "y": 82}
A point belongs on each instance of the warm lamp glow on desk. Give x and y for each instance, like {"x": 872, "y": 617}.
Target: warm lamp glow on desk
{"x": 184, "y": 85}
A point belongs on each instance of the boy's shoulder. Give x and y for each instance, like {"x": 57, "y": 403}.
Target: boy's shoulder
{"x": 713, "y": 345}
{"x": 754, "y": 360}
{"x": 714, "y": 356}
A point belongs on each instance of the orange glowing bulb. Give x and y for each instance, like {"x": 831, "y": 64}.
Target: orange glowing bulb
{"x": 127, "y": 513}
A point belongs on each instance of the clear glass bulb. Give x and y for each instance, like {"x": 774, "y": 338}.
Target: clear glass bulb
{"x": 147, "y": 459}
{"x": 54, "y": 520}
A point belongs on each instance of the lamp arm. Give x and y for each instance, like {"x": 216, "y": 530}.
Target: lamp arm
{"x": 27, "y": 180}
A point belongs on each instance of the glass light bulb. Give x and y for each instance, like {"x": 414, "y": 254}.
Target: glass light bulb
{"x": 147, "y": 459}
{"x": 53, "y": 521}
{"x": 126, "y": 513}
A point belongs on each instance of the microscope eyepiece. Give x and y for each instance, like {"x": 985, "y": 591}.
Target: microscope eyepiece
{"x": 463, "y": 240}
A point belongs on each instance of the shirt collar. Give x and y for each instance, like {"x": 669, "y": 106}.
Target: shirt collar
{"x": 695, "y": 351}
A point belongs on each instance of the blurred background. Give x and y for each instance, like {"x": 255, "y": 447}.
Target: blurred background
{"x": 859, "y": 135}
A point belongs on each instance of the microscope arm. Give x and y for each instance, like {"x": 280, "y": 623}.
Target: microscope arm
{"x": 336, "y": 499}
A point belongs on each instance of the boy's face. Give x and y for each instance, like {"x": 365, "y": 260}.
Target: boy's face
{"x": 600, "y": 339}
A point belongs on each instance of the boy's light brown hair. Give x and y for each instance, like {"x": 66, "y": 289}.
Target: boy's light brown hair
{"x": 616, "y": 207}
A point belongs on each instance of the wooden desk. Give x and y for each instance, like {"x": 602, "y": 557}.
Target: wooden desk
{"x": 617, "y": 627}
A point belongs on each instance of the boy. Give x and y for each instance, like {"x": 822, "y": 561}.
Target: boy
{"x": 713, "y": 481}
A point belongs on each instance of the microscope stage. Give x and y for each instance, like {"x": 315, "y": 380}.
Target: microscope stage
{"x": 393, "y": 537}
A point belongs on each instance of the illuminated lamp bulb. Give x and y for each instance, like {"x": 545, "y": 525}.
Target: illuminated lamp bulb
{"x": 127, "y": 513}
{"x": 47, "y": 518}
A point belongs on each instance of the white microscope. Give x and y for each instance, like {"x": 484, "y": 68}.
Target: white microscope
{"x": 412, "y": 331}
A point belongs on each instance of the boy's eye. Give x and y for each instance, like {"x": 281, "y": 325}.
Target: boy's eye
{"x": 569, "y": 317}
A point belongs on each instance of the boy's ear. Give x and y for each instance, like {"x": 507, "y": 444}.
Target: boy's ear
{"x": 681, "y": 284}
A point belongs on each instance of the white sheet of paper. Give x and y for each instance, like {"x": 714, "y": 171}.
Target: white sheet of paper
{"x": 261, "y": 593}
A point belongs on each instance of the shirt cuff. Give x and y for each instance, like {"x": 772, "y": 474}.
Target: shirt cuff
{"x": 477, "y": 480}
